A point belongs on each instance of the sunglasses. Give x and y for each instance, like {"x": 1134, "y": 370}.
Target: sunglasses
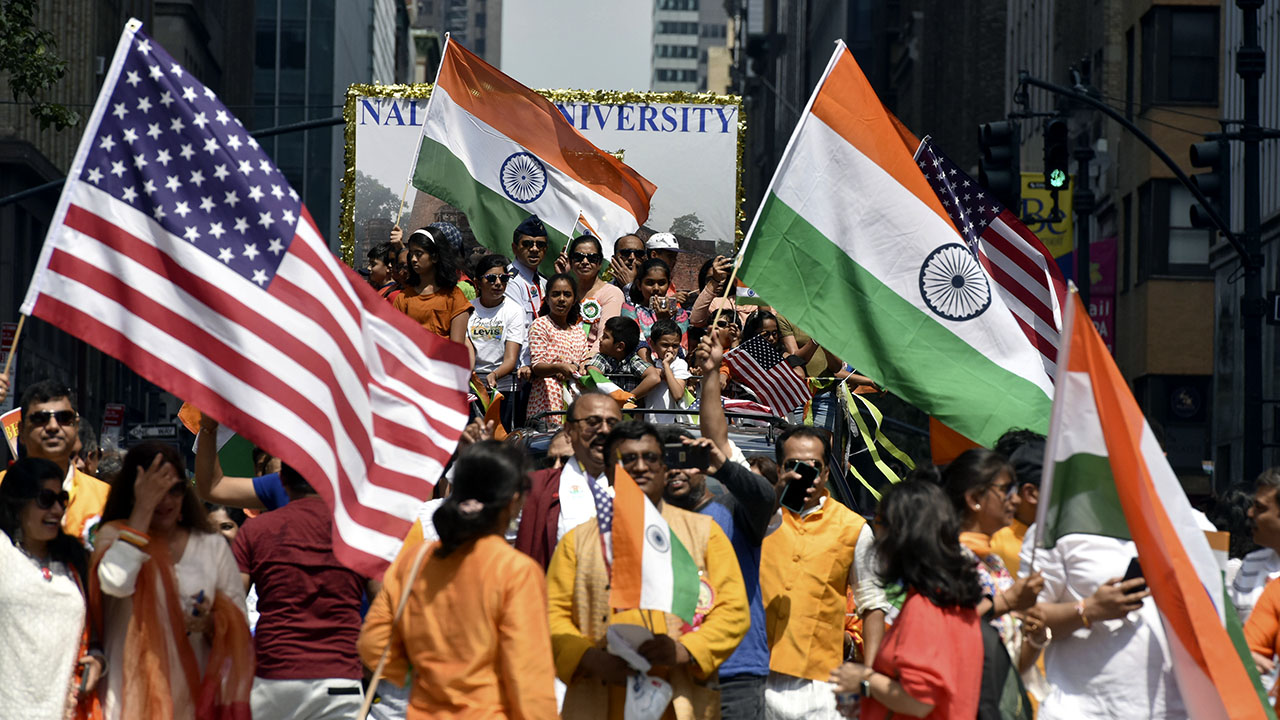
{"x": 724, "y": 324}
{"x": 42, "y": 417}
{"x": 496, "y": 277}
{"x": 530, "y": 244}
{"x": 595, "y": 421}
{"x": 46, "y": 498}
{"x": 629, "y": 459}
{"x": 632, "y": 253}
{"x": 793, "y": 465}
{"x": 593, "y": 258}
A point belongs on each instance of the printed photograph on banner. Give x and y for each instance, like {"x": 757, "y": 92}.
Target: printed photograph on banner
{"x": 689, "y": 149}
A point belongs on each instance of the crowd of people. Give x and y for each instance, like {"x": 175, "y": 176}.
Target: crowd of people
{"x": 133, "y": 588}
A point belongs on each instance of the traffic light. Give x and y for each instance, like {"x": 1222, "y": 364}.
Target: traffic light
{"x": 1215, "y": 184}
{"x": 1057, "y": 152}
{"x": 998, "y": 168}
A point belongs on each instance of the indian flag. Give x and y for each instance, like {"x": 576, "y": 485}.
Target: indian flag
{"x": 1105, "y": 474}
{"x": 499, "y": 152}
{"x": 745, "y": 295}
{"x": 853, "y": 245}
{"x": 651, "y": 568}
{"x": 596, "y": 380}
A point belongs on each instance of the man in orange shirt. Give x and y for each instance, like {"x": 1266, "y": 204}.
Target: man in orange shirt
{"x": 49, "y": 430}
{"x": 806, "y": 566}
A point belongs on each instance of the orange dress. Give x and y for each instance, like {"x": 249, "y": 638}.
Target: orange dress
{"x": 475, "y": 632}
{"x": 436, "y": 311}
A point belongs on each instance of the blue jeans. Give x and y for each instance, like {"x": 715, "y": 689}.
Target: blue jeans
{"x": 742, "y": 697}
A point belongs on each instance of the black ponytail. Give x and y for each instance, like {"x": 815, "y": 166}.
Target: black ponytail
{"x": 486, "y": 477}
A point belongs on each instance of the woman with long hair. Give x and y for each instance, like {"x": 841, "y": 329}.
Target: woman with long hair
{"x": 472, "y": 621}
{"x": 929, "y": 664}
{"x": 600, "y": 300}
{"x": 46, "y": 664}
{"x": 557, "y": 346}
{"x": 432, "y": 296}
{"x": 171, "y": 597}
{"x": 648, "y": 302}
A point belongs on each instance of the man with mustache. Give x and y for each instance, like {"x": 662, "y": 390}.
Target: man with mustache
{"x": 560, "y": 499}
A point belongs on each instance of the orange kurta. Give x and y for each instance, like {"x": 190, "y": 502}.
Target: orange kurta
{"x": 804, "y": 576}
{"x": 1262, "y": 629}
{"x": 475, "y": 632}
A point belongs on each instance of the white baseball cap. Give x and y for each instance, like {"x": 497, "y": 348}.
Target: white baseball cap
{"x": 662, "y": 241}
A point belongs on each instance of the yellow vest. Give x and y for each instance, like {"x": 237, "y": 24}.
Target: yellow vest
{"x": 804, "y": 574}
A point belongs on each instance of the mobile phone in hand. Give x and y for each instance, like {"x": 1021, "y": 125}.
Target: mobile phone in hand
{"x": 1134, "y": 571}
{"x": 793, "y": 496}
{"x": 679, "y": 456}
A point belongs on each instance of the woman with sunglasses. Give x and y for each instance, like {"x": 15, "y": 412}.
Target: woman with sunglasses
{"x": 600, "y": 300}
{"x": 172, "y": 600}
{"x": 982, "y": 488}
{"x": 557, "y": 346}
{"x": 497, "y": 330}
{"x": 648, "y": 303}
{"x": 45, "y": 660}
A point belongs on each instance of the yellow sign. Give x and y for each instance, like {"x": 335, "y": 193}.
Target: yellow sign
{"x": 12, "y": 422}
{"x": 1037, "y": 213}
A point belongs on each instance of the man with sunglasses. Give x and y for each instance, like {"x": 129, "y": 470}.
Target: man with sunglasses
{"x": 49, "y": 430}
{"x": 578, "y": 588}
{"x": 526, "y": 289}
{"x": 806, "y": 568}
{"x": 628, "y": 252}
{"x": 560, "y": 498}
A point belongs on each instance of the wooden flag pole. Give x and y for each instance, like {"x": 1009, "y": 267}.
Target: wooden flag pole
{"x": 13, "y": 349}
{"x": 728, "y": 288}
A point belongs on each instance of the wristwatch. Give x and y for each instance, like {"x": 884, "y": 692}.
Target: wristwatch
{"x": 866, "y": 686}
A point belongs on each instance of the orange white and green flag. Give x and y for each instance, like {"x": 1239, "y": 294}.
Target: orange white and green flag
{"x": 1106, "y": 474}
{"x": 650, "y": 569}
{"x": 852, "y": 244}
{"x": 499, "y": 152}
{"x": 744, "y": 295}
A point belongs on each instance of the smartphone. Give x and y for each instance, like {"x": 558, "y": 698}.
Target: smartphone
{"x": 793, "y": 496}
{"x": 1134, "y": 571}
{"x": 679, "y": 456}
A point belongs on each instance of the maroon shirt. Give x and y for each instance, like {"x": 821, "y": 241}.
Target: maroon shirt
{"x": 308, "y": 602}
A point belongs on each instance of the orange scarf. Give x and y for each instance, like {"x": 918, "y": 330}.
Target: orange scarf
{"x": 979, "y": 543}
{"x": 156, "y": 628}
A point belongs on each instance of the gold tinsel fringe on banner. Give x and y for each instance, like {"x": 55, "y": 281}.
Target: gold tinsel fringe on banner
{"x": 420, "y": 91}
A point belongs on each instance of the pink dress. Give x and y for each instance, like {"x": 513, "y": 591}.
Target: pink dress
{"x": 550, "y": 344}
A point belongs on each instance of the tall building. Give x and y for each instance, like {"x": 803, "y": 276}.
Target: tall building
{"x": 206, "y": 38}
{"x": 1228, "y": 380}
{"x": 689, "y": 37}
{"x": 477, "y": 24}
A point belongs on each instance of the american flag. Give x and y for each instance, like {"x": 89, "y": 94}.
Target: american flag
{"x": 604, "y": 521}
{"x": 179, "y": 248}
{"x": 757, "y": 364}
{"x": 1025, "y": 273}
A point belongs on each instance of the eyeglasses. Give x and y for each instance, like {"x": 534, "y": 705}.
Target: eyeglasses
{"x": 724, "y": 324}
{"x": 593, "y": 258}
{"x": 558, "y": 460}
{"x": 530, "y": 244}
{"x": 178, "y": 490}
{"x": 629, "y": 459}
{"x": 42, "y": 417}
{"x": 794, "y": 465}
{"x": 770, "y": 333}
{"x": 595, "y": 421}
{"x": 1006, "y": 490}
{"x": 46, "y": 498}
{"x": 632, "y": 253}
{"x": 496, "y": 277}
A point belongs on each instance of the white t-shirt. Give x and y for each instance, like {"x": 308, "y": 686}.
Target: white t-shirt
{"x": 490, "y": 329}
{"x": 660, "y": 398}
{"x": 526, "y": 290}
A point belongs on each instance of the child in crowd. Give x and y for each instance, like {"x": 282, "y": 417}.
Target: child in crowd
{"x": 673, "y": 372}
{"x": 432, "y": 297}
{"x": 617, "y": 357}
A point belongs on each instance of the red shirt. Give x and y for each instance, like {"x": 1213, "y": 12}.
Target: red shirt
{"x": 936, "y": 655}
{"x": 308, "y": 603}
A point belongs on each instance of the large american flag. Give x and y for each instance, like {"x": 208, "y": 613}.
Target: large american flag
{"x": 1025, "y": 273}
{"x": 757, "y": 364}
{"x": 179, "y": 248}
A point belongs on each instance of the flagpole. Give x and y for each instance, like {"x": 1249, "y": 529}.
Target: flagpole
{"x": 386, "y": 651}
{"x": 1055, "y": 417}
{"x": 13, "y": 349}
{"x": 413, "y": 166}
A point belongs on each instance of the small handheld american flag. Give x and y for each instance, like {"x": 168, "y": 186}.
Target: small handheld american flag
{"x": 178, "y": 247}
{"x": 757, "y": 364}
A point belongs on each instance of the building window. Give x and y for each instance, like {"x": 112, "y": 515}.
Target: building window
{"x": 480, "y": 19}
{"x": 1167, "y": 244}
{"x": 714, "y": 31}
{"x": 666, "y": 27}
{"x": 1180, "y": 56}
{"x": 677, "y": 4}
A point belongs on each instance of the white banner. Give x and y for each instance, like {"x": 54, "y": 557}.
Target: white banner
{"x": 688, "y": 149}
